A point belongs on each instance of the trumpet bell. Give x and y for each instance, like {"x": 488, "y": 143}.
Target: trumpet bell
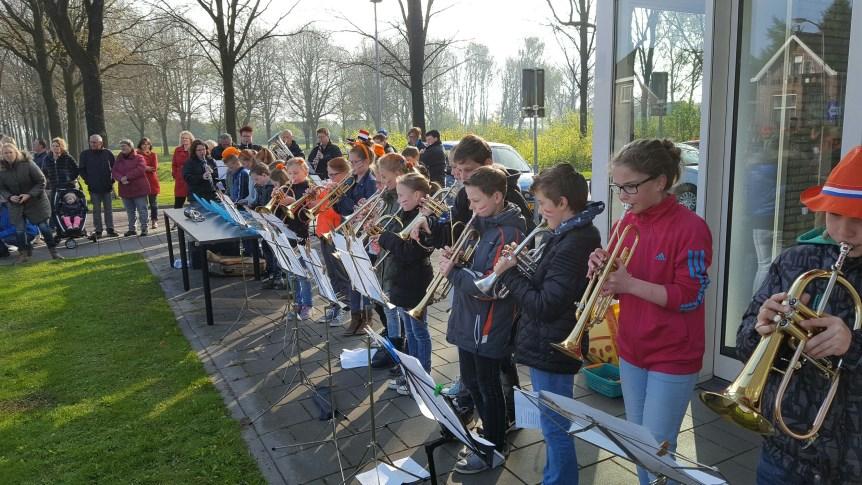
{"x": 570, "y": 348}
{"x": 735, "y": 408}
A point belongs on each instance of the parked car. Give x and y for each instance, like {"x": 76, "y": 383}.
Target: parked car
{"x": 506, "y": 156}
{"x": 686, "y": 188}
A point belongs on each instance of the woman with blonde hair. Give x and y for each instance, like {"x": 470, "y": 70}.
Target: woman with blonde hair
{"x": 22, "y": 185}
{"x": 181, "y": 155}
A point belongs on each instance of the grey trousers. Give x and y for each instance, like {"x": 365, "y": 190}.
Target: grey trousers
{"x": 139, "y": 205}
{"x": 99, "y": 201}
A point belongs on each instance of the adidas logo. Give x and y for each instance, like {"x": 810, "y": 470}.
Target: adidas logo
{"x": 660, "y": 257}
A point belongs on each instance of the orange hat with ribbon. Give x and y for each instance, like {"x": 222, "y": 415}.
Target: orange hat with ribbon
{"x": 230, "y": 151}
{"x": 842, "y": 192}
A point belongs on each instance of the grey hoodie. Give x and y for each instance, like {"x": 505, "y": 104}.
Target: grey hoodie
{"x": 476, "y": 323}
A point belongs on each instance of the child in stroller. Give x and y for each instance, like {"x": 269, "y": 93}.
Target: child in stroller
{"x": 70, "y": 213}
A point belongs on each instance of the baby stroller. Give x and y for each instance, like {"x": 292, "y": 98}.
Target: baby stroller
{"x": 70, "y": 215}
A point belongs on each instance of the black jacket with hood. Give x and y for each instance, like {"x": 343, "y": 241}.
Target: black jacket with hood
{"x": 477, "y": 324}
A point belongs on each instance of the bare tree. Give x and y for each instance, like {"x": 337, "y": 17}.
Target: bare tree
{"x": 578, "y": 68}
{"x": 229, "y": 41}
{"x": 251, "y": 76}
{"x": 422, "y": 53}
{"x": 271, "y": 93}
{"x": 22, "y": 32}
{"x": 312, "y": 87}
{"x": 470, "y": 82}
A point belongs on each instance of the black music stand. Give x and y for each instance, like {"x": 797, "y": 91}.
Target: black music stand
{"x": 627, "y": 440}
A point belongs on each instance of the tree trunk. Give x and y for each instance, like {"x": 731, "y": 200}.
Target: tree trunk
{"x": 227, "y": 65}
{"x": 163, "y": 127}
{"x": 46, "y": 75}
{"x": 416, "y": 40}
{"x": 73, "y": 127}
{"x": 584, "y": 85}
{"x": 94, "y": 113}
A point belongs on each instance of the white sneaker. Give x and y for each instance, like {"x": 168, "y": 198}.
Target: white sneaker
{"x": 394, "y": 384}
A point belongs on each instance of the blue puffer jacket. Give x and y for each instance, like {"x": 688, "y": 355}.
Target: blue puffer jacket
{"x": 484, "y": 326}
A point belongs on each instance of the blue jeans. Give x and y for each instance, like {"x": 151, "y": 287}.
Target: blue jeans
{"x": 418, "y": 338}
{"x": 137, "y": 205}
{"x": 302, "y": 290}
{"x": 768, "y": 473}
{"x": 44, "y": 228}
{"x": 656, "y": 401}
{"x": 393, "y": 322}
{"x": 358, "y": 302}
{"x": 561, "y": 464}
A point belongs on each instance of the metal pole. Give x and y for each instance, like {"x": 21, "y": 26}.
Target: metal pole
{"x": 377, "y": 61}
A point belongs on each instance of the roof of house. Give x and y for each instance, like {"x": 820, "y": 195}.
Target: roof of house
{"x": 778, "y": 53}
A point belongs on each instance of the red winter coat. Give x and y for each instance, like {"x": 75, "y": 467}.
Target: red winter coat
{"x": 152, "y": 162}
{"x": 177, "y": 163}
{"x": 133, "y": 167}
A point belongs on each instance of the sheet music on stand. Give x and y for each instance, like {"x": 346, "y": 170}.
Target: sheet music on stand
{"x": 278, "y": 241}
{"x": 628, "y": 440}
{"x": 316, "y": 270}
{"x": 232, "y": 210}
{"x": 359, "y": 268}
{"x": 431, "y": 404}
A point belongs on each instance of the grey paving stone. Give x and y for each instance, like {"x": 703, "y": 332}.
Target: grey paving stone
{"x": 607, "y": 472}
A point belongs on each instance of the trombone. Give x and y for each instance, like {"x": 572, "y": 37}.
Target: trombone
{"x": 527, "y": 260}
{"x": 593, "y": 305}
{"x": 462, "y": 254}
{"x": 741, "y": 401}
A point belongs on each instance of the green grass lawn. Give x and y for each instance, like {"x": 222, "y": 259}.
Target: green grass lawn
{"x": 98, "y": 384}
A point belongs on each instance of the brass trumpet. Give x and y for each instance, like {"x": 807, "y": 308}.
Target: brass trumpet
{"x": 276, "y": 200}
{"x": 436, "y": 204}
{"x": 741, "y": 402}
{"x": 527, "y": 260}
{"x": 466, "y": 253}
{"x": 331, "y": 198}
{"x": 592, "y": 307}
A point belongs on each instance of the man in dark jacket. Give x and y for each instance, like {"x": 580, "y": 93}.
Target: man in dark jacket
{"x": 224, "y": 141}
{"x": 434, "y": 158}
{"x": 95, "y": 166}
{"x": 245, "y": 139}
{"x": 322, "y": 153}
{"x": 40, "y": 152}
{"x": 292, "y": 145}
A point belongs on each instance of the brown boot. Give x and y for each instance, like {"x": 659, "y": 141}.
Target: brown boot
{"x": 357, "y": 321}
{"x": 54, "y": 254}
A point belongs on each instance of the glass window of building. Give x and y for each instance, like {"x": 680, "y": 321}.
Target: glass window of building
{"x": 790, "y": 89}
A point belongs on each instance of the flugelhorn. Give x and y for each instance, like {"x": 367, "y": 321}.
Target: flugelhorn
{"x": 593, "y": 305}
{"x": 741, "y": 402}
{"x": 293, "y": 209}
{"x": 277, "y": 199}
{"x": 527, "y": 260}
{"x": 462, "y": 254}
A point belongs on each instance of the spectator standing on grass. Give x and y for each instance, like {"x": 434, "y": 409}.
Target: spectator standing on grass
{"x": 130, "y": 171}
{"x": 22, "y": 185}
{"x": 145, "y": 149}
{"x": 95, "y": 165}
{"x": 181, "y": 154}
{"x": 40, "y": 152}
{"x": 60, "y": 169}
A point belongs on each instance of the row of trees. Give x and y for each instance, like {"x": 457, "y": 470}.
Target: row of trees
{"x": 74, "y": 68}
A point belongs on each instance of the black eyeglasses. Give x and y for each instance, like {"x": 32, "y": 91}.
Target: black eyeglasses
{"x": 630, "y": 189}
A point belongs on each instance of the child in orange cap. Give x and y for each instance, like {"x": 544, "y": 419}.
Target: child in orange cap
{"x": 835, "y": 456}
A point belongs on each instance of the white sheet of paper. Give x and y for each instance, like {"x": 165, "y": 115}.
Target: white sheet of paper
{"x": 634, "y": 438}
{"x": 405, "y": 471}
{"x": 431, "y": 405}
{"x": 353, "y": 358}
{"x": 290, "y": 254}
{"x": 359, "y": 269}
{"x": 317, "y": 271}
{"x": 527, "y": 414}
{"x": 232, "y": 210}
